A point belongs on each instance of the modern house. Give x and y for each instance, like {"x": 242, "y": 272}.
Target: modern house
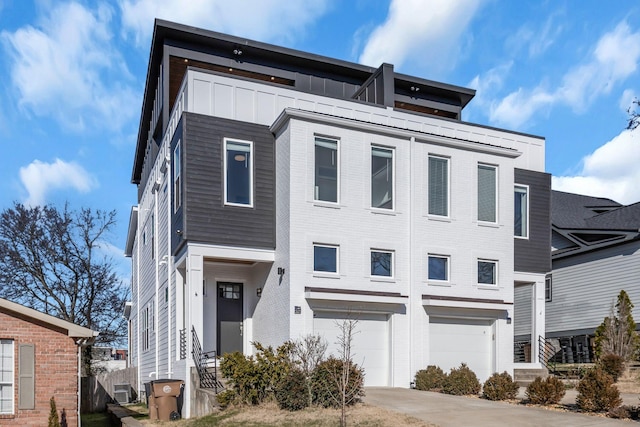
{"x": 39, "y": 359}
{"x": 595, "y": 254}
{"x": 281, "y": 191}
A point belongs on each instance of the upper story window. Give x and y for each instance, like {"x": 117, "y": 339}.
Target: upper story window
{"x": 238, "y": 165}
{"x": 487, "y": 272}
{"x": 381, "y": 263}
{"x": 487, "y": 193}
{"x": 145, "y": 328}
{"x": 438, "y": 268}
{"x": 325, "y": 258}
{"x": 521, "y": 211}
{"x": 381, "y": 178}
{"x": 153, "y": 236}
{"x": 326, "y": 170}
{"x": 438, "y": 186}
{"x": 177, "y": 189}
{"x": 6, "y": 376}
{"x": 547, "y": 288}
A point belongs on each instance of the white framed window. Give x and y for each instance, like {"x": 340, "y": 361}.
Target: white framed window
{"x": 487, "y": 272}
{"x": 521, "y": 211}
{"x": 145, "y": 329}
{"x": 177, "y": 168}
{"x": 438, "y": 186}
{"x": 438, "y": 267}
{"x": 238, "y": 172}
{"x": 7, "y": 375}
{"x": 487, "y": 193}
{"x": 548, "y": 288}
{"x": 325, "y": 258}
{"x": 382, "y": 174}
{"x": 153, "y": 236}
{"x": 327, "y": 171}
{"x": 381, "y": 263}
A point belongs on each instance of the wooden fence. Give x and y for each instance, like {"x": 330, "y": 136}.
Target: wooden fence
{"x": 97, "y": 391}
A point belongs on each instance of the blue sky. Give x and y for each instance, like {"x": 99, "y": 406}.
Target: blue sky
{"x": 73, "y": 77}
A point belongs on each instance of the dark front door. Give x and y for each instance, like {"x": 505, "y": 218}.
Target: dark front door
{"x": 229, "y": 336}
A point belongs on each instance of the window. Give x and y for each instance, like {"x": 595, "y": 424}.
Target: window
{"x": 238, "y": 165}
{"x": 145, "y": 328}
{"x": 438, "y": 268}
{"x": 487, "y": 193}
{"x": 326, "y": 170}
{"x": 438, "y": 186}
{"x": 521, "y": 211}
{"x": 547, "y": 288}
{"x": 381, "y": 263}
{"x": 229, "y": 290}
{"x": 487, "y": 272}
{"x": 6, "y": 376}
{"x": 153, "y": 236}
{"x": 177, "y": 189}
{"x": 325, "y": 259}
{"x": 381, "y": 178}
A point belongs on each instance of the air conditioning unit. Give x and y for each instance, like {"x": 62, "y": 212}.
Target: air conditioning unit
{"x": 121, "y": 393}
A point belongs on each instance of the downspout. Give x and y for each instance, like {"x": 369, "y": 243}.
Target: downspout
{"x": 137, "y": 266}
{"x": 156, "y": 311}
{"x": 79, "y": 345}
{"x": 170, "y": 346}
{"x": 410, "y": 316}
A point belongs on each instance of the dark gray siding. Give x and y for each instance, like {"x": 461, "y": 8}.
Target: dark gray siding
{"x": 534, "y": 254}
{"x": 206, "y": 218}
{"x": 177, "y": 220}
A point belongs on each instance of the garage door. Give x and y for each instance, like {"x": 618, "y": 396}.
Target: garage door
{"x": 370, "y": 346}
{"x": 454, "y": 341}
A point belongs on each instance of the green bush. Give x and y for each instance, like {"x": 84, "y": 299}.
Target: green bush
{"x": 500, "y": 387}
{"x": 226, "y": 398}
{"x": 461, "y": 381}
{"x": 549, "y": 391}
{"x": 613, "y": 365}
{"x": 597, "y": 393}
{"x": 325, "y": 383}
{"x": 54, "y": 421}
{"x": 292, "y": 391}
{"x": 432, "y": 378}
{"x": 253, "y": 379}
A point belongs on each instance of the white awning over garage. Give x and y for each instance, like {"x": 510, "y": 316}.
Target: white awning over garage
{"x": 371, "y": 342}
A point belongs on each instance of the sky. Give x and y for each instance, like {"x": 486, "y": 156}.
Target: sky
{"x": 73, "y": 79}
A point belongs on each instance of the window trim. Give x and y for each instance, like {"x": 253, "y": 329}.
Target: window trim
{"x": 313, "y": 261}
{"x": 12, "y": 384}
{"x": 393, "y": 177}
{"x": 495, "y": 272}
{"x": 226, "y": 141}
{"x": 527, "y": 214}
{"x": 495, "y": 207}
{"x": 391, "y": 266}
{"x": 448, "y": 270}
{"x": 177, "y": 177}
{"x": 548, "y": 291}
{"x": 337, "y": 141}
{"x": 448, "y": 159}
{"x": 145, "y": 337}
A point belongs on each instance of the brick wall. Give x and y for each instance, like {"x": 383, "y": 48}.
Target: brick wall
{"x": 56, "y": 373}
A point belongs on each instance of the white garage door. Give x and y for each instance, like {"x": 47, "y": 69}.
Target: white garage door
{"x": 370, "y": 346}
{"x": 454, "y": 341}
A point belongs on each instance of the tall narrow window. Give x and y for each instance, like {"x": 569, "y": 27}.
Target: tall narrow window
{"x": 177, "y": 189}
{"x": 326, "y": 170}
{"x": 325, "y": 259}
{"x": 521, "y": 211}
{"x": 153, "y": 236}
{"x": 487, "y": 272}
{"x": 144, "y": 322}
{"x": 6, "y": 376}
{"x": 438, "y": 186}
{"x": 547, "y": 288}
{"x": 381, "y": 263}
{"x": 487, "y": 193}
{"x": 381, "y": 178}
{"x": 238, "y": 188}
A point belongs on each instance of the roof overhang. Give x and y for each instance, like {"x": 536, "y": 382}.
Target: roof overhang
{"x": 131, "y": 232}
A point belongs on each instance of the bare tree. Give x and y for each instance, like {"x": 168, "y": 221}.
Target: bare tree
{"x": 308, "y": 352}
{"x": 634, "y": 115}
{"x": 51, "y": 260}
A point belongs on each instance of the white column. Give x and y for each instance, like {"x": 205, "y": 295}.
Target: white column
{"x": 538, "y": 317}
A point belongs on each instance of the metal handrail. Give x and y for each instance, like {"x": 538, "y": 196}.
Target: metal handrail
{"x": 183, "y": 344}
{"x": 206, "y": 365}
{"x": 546, "y": 353}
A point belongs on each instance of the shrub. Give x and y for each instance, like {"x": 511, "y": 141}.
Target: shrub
{"x": 461, "y": 381}
{"x": 432, "y": 378}
{"x": 226, "y": 398}
{"x": 624, "y": 412}
{"x": 613, "y": 365}
{"x": 54, "y": 421}
{"x": 292, "y": 392}
{"x": 596, "y": 392}
{"x": 549, "y": 391}
{"x": 325, "y": 386}
{"x": 500, "y": 387}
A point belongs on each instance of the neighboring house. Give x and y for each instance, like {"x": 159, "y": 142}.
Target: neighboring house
{"x": 281, "y": 191}
{"x": 108, "y": 359}
{"x": 39, "y": 359}
{"x": 595, "y": 254}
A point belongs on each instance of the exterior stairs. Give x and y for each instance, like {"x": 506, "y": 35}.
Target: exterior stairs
{"x": 524, "y": 377}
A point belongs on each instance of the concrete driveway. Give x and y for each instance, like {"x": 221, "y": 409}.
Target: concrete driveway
{"x": 445, "y": 410}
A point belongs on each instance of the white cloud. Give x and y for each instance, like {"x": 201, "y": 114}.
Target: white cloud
{"x": 66, "y": 68}
{"x": 610, "y": 171}
{"x": 626, "y": 99}
{"x": 426, "y": 34}
{"x": 614, "y": 58}
{"x": 40, "y": 178}
{"x": 263, "y": 20}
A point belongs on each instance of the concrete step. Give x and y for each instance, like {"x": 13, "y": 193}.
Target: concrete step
{"x": 524, "y": 377}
